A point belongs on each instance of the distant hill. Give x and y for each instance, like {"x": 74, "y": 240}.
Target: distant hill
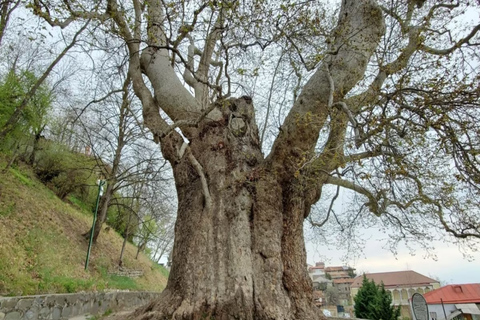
{"x": 42, "y": 249}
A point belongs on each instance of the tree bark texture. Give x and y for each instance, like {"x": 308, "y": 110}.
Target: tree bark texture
{"x": 240, "y": 254}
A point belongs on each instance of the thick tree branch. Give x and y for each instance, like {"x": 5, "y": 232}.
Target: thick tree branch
{"x": 358, "y": 33}
{"x": 372, "y": 203}
{"x": 6, "y": 9}
{"x": 415, "y": 43}
{"x": 43, "y": 12}
{"x": 170, "y": 95}
{"x": 203, "y": 179}
{"x": 366, "y": 155}
{"x": 201, "y": 90}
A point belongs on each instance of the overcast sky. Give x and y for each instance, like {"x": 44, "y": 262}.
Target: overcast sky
{"x": 450, "y": 267}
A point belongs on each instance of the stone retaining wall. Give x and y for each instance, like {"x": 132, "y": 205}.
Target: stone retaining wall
{"x": 65, "y": 306}
{"x": 128, "y": 273}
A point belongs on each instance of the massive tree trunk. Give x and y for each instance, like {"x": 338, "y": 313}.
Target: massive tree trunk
{"x": 239, "y": 249}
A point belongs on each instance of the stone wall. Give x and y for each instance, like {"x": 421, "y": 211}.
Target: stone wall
{"x": 338, "y": 318}
{"x": 128, "y": 273}
{"x": 65, "y": 306}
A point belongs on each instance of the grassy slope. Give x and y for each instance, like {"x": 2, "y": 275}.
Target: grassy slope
{"x": 42, "y": 250}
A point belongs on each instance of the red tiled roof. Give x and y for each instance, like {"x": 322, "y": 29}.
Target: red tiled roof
{"x": 330, "y": 269}
{"x": 395, "y": 279}
{"x": 455, "y": 293}
{"x": 312, "y": 268}
{"x": 343, "y": 280}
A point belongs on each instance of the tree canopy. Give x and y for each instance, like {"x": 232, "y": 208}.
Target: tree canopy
{"x": 13, "y": 88}
{"x": 403, "y": 138}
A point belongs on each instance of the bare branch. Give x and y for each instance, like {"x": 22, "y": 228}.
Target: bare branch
{"x": 79, "y": 114}
{"x": 30, "y": 94}
{"x": 457, "y": 45}
{"x": 201, "y": 92}
{"x": 330, "y": 209}
{"x": 372, "y": 200}
{"x": 5, "y": 12}
{"x": 310, "y": 111}
{"x": 42, "y": 11}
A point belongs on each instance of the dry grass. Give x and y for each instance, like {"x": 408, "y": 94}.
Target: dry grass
{"x": 42, "y": 249}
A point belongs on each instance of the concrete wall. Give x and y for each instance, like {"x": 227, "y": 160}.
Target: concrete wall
{"x": 438, "y": 309}
{"x": 65, "y": 306}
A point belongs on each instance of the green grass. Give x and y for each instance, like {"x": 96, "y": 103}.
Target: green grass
{"x": 6, "y": 209}
{"x": 80, "y": 204}
{"x": 107, "y": 313}
{"x": 42, "y": 249}
{"x": 164, "y": 271}
{"x": 68, "y": 284}
{"x": 123, "y": 283}
{"x": 119, "y": 282}
{"x": 23, "y": 179}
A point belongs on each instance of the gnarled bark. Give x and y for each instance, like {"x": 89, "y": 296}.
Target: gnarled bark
{"x": 239, "y": 254}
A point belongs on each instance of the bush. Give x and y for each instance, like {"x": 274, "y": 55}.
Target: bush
{"x": 66, "y": 172}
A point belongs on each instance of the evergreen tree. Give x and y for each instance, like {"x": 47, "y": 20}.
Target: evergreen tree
{"x": 364, "y": 300}
{"x": 374, "y": 302}
{"x": 383, "y": 305}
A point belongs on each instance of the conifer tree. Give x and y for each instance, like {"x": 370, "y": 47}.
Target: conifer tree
{"x": 364, "y": 300}
{"x": 374, "y": 302}
{"x": 387, "y": 311}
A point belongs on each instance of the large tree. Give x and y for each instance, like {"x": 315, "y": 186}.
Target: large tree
{"x": 388, "y": 112}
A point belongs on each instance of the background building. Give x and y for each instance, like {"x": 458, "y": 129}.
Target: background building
{"x": 455, "y": 301}
{"x": 343, "y": 286}
{"x": 401, "y": 285}
{"x": 338, "y": 277}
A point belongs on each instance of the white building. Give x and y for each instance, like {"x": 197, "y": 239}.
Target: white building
{"x": 455, "y": 301}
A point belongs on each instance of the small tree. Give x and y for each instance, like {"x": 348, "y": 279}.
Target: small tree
{"x": 13, "y": 87}
{"x": 383, "y": 305}
{"x": 364, "y": 299}
{"x": 374, "y": 302}
{"x": 331, "y": 295}
{"x": 351, "y": 273}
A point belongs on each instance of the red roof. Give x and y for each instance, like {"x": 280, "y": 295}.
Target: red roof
{"x": 455, "y": 293}
{"x": 312, "y": 268}
{"x": 396, "y": 279}
{"x": 331, "y": 269}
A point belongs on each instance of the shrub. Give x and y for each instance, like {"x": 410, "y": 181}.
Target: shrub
{"x": 65, "y": 172}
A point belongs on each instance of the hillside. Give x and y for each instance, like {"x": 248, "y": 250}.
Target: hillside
{"x": 42, "y": 250}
